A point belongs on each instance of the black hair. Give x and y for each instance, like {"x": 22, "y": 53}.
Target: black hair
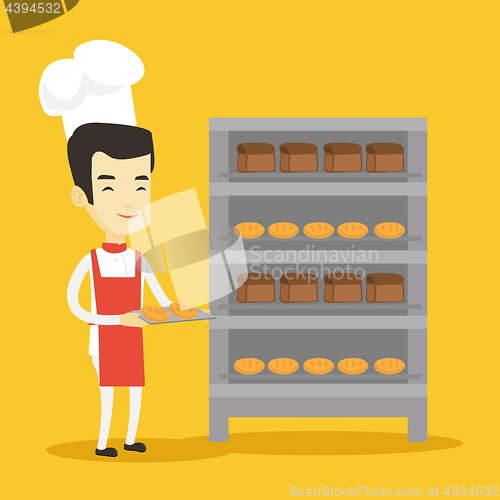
{"x": 120, "y": 142}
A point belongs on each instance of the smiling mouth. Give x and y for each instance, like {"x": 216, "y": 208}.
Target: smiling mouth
{"x": 127, "y": 216}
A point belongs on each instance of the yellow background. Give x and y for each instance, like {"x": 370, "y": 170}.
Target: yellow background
{"x": 261, "y": 58}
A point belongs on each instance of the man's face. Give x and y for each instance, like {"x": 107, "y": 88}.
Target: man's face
{"x": 121, "y": 188}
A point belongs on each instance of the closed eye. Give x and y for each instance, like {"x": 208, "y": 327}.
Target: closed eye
{"x": 108, "y": 188}
{"x": 141, "y": 188}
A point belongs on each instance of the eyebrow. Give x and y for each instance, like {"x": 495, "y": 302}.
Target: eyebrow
{"x": 106, "y": 177}
{"x": 142, "y": 178}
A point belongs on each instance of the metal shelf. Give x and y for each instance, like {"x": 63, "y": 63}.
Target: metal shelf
{"x": 225, "y": 389}
{"x": 309, "y": 377}
{"x": 232, "y": 194}
{"x": 320, "y": 257}
{"x": 318, "y": 124}
{"x": 364, "y": 239}
{"x": 318, "y": 189}
{"x": 297, "y": 306}
{"x": 316, "y": 176}
{"x": 330, "y": 322}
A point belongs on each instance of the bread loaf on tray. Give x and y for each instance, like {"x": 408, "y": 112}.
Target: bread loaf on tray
{"x": 256, "y": 157}
{"x": 385, "y": 287}
{"x": 298, "y": 157}
{"x": 385, "y": 157}
{"x": 343, "y": 157}
{"x": 256, "y": 287}
{"x": 299, "y": 287}
{"x": 345, "y": 287}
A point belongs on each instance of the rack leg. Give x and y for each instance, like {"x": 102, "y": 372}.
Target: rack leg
{"x": 218, "y": 428}
{"x": 417, "y": 426}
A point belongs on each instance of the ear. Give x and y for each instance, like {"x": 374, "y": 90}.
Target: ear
{"x": 78, "y": 197}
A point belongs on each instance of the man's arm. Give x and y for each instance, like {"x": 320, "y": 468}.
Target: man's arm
{"x": 129, "y": 319}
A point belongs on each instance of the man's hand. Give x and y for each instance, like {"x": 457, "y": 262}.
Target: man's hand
{"x": 132, "y": 319}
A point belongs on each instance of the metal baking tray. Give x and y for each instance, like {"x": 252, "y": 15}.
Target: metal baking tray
{"x": 174, "y": 319}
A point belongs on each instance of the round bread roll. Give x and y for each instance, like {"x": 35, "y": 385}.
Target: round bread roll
{"x": 318, "y": 366}
{"x": 283, "y": 366}
{"x": 155, "y": 313}
{"x": 318, "y": 230}
{"x": 283, "y": 230}
{"x": 352, "y": 230}
{"x": 352, "y": 366}
{"x": 389, "y": 230}
{"x": 389, "y": 366}
{"x": 182, "y": 310}
{"x": 249, "y": 366}
{"x": 249, "y": 230}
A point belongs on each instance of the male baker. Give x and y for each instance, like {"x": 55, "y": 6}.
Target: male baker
{"x": 111, "y": 160}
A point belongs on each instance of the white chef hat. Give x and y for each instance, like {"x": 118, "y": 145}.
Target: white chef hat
{"x": 94, "y": 87}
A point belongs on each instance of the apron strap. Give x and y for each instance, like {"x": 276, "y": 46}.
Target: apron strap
{"x": 95, "y": 265}
{"x": 137, "y": 263}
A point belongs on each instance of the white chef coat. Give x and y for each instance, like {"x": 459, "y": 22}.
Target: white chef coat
{"x": 111, "y": 265}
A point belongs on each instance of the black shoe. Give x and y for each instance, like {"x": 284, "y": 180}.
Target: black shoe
{"x": 140, "y": 447}
{"x": 107, "y": 452}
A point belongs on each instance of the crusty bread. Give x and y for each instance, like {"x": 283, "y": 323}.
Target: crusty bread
{"x": 182, "y": 311}
{"x": 389, "y": 230}
{"x": 298, "y": 287}
{"x": 389, "y": 366}
{"x": 256, "y": 157}
{"x": 343, "y": 287}
{"x": 298, "y": 157}
{"x": 283, "y": 230}
{"x": 352, "y": 366}
{"x": 384, "y": 287}
{"x": 283, "y": 366}
{"x": 385, "y": 157}
{"x": 343, "y": 157}
{"x": 249, "y": 366}
{"x": 256, "y": 287}
{"x": 318, "y": 230}
{"x": 249, "y": 230}
{"x": 318, "y": 366}
{"x": 352, "y": 230}
{"x": 155, "y": 313}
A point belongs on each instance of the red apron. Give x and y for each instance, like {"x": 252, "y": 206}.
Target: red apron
{"x": 121, "y": 356}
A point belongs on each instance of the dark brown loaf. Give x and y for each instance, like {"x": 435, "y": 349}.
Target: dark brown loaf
{"x": 385, "y": 157}
{"x": 256, "y": 157}
{"x": 343, "y": 288}
{"x": 299, "y": 287}
{"x": 298, "y": 157}
{"x": 256, "y": 287}
{"x": 385, "y": 287}
{"x": 343, "y": 157}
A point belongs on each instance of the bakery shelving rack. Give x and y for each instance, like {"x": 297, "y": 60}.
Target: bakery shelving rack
{"x": 301, "y": 331}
